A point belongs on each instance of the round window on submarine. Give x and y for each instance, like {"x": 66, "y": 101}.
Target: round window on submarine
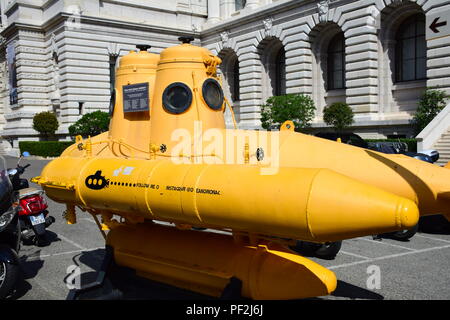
{"x": 213, "y": 94}
{"x": 177, "y": 98}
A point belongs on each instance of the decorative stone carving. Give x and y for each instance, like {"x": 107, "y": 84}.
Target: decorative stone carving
{"x": 268, "y": 24}
{"x": 324, "y": 7}
{"x": 54, "y": 70}
{"x": 195, "y": 28}
{"x": 225, "y": 36}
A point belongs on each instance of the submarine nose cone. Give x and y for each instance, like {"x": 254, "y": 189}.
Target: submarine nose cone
{"x": 407, "y": 214}
{"x": 365, "y": 210}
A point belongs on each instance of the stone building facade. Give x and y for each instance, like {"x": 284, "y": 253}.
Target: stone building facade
{"x": 60, "y": 55}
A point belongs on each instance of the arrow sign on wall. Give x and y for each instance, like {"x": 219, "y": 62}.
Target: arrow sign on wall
{"x": 435, "y": 25}
{"x": 438, "y": 24}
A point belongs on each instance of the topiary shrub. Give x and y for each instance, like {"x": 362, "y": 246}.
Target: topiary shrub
{"x": 339, "y": 115}
{"x": 430, "y": 104}
{"x": 45, "y": 123}
{"x": 91, "y": 124}
{"x": 44, "y": 148}
{"x": 296, "y": 107}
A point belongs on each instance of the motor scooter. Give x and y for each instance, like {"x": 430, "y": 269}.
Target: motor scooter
{"x": 33, "y": 215}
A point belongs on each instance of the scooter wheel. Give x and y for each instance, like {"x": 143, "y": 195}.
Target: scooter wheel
{"x": 9, "y": 275}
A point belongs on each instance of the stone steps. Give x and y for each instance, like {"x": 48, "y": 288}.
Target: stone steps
{"x": 443, "y": 146}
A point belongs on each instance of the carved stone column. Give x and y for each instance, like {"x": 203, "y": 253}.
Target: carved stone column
{"x": 213, "y": 11}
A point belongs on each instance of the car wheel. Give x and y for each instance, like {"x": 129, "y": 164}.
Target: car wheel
{"x": 9, "y": 275}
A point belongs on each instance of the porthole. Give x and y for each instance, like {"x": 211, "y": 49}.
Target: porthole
{"x": 212, "y": 94}
{"x": 177, "y": 98}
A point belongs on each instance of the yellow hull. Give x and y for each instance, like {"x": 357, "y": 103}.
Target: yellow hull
{"x": 295, "y": 203}
{"x": 205, "y": 262}
{"x": 167, "y": 156}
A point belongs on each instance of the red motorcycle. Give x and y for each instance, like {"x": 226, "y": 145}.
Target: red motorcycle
{"x": 33, "y": 215}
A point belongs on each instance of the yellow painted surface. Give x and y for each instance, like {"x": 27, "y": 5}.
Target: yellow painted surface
{"x": 268, "y": 185}
{"x": 296, "y": 203}
{"x": 190, "y": 65}
{"x": 205, "y": 262}
{"x": 136, "y": 67}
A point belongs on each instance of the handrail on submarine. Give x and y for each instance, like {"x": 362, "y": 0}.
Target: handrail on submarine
{"x": 119, "y": 142}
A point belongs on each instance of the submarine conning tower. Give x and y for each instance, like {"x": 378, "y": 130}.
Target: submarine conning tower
{"x": 131, "y": 99}
{"x": 187, "y": 95}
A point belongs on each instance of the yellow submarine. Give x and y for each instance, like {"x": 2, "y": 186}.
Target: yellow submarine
{"x": 169, "y": 157}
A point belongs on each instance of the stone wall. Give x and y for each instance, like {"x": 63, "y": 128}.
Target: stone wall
{"x": 305, "y": 28}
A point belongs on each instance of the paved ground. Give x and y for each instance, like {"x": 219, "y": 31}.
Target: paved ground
{"x": 417, "y": 269}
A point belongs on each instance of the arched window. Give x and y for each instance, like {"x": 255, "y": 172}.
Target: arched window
{"x": 235, "y": 90}
{"x": 229, "y": 69}
{"x": 273, "y": 63}
{"x": 239, "y": 4}
{"x": 411, "y": 50}
{"x": 280, "y": 73}
{"x": 336, "y": 62}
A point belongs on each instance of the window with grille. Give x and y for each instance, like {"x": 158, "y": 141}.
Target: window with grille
{"x": 280, "y": 73}
{"x": 336, "y": 62}
{"x": 411, "y": 50}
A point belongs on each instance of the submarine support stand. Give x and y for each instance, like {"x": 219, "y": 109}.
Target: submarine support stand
{"x": 104, "y": 289}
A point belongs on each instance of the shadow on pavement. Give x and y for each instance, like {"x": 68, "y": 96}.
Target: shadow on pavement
{"x": 50, "y": 238}
{"x": 30, "y": 265}
{"x": 348, "y": 290}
